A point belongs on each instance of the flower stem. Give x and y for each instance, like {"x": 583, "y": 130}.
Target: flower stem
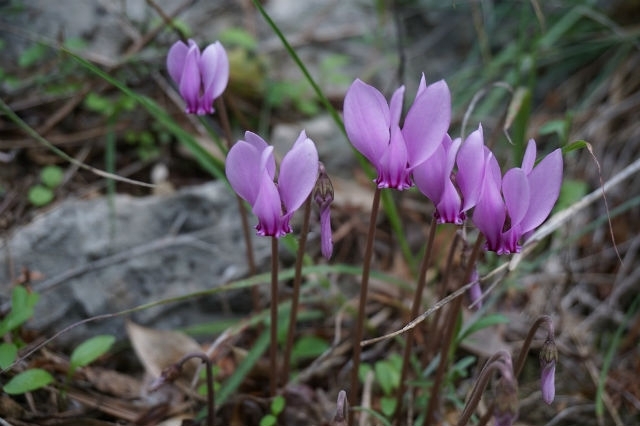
{"x": 450, "y": 321}
{"x": 221, "y": 107}
{"x": 295, "y": 298}
{"x": 359, "y": 323}
{"x": 273, "y": 346}
{"x": 415, "y": 308}
{"x": 544, "y": 320}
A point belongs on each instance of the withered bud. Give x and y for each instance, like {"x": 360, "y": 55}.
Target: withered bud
{"x": 168, "y": 375}
{"x": 506, "y": 396}
{"x": 342, "y": 410}
{"x": 323, "y": 197}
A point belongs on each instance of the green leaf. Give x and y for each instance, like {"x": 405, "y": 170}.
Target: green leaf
{"x": 388, "y": 405}
{"x": 238, "y": 37}
{"x": 8, "y": 353}
{"x": 387, "y": 375}
{"x": 32, "y": 55}
{"x": 268, "y": 420}
{"x": 277, "y": 405}
{"x": 40, "y": 195}
{"x": 570, "y": 192}
{"x": 89, "y": 350}
{"x": 22, "y": 303}
{"x": 28, "y": 381}
{"x": 574, "y": 146}
{"x": 309, "y": 347}
{"x": 51, "y": 176}
{"x": 483, "y": 322}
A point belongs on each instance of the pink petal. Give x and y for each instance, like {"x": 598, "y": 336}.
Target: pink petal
{"x": 243, "y": 169}
{"x": 449, "y": 207}
{"x": 176, "y": 59}
{"x": 471, "y": 166}
{"x": 190, "y": 81}
{"x": 515, "y": 188}
{"x": 366, "y": 120}
{"x": 268, "y": 208}
{"x": 427, "y": 122}
{"x": 395, "y": 107}
{"x": 214, "y": 66}
{"x": 260, "y": 145}
{"x": 545, "y": 181}
{"x": 298, "y": 174}
{"x": 392, "y": 170}
{"x": 490, "y": 213}
{"x": 430, "y": 174}
{"x": 529, "y": 158}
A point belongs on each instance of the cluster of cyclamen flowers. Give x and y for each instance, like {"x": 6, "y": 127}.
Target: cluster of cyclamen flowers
{"x": 455, "y": 175}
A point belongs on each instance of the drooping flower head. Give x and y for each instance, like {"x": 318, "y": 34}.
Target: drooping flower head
{"x": 524, "y": 196}
{"x": 548, "y": 360}
{"x": 250, "y": 167}
{"x": 201, "y": 77}
{"x": 373, "y": 127}
{"x": 453, "y": 195}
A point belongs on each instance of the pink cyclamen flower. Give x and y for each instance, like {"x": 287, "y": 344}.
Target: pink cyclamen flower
{"x": 201, "y": 77}
{"x": 250, "y": 167}
{"x": 524, "y": 196}
{"x": 434, "y": 177}
{"x": 373, "y": 127}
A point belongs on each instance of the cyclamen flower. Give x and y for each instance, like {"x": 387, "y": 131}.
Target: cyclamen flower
{"x": 434, "y": 177}
{"x": 525, "y": 195}
{"x": 201, "y": 77}
{"x": 548, "y": 359}
{"x": 373, "y": 127}
{"x": 251, "y": 167}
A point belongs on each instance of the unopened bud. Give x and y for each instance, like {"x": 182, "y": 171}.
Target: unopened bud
{"x": 548, "y": 359}
{"x": 342, "y": 410}
{"x": 475, "y": 291}
{"x": 323, "y": 197}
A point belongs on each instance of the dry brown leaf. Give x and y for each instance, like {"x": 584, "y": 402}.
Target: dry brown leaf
{"x": 158, "y": 349}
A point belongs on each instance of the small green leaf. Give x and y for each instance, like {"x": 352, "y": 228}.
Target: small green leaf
{"x": 8, "y": 353}
{"x": 388, "y": 405}
{"x": 277, "y": 405}
{"x": 51, "y": 176}
{"x": 32, "y": 55}
{"x": 309, "y": 347}
{"x": 40, "y": 195}
{"x": 387, "y": 375}
{"x": 89, "y": 350}
{"x": 235, "y": 36}
{"x": 483, "y": 322}
{"x": 28, "y": 381}
{"x": 268, "y": 420}
{"x": 22, "y": 303}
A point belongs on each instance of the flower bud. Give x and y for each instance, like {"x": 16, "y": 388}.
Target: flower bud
{"x": 548, "y": 359}
{"x": 323, "y": 197}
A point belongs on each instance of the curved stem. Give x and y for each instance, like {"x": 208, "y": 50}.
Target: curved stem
{"x": 415, "y": 310}
{"x": 210, "y": 395}
{"x": 544, "y": 320}
{"x": 295, "y": 298}
{"x": 273, "y": 345}
{"x": 359, "y": 323}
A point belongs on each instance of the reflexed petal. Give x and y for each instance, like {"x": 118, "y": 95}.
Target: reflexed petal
{"x": 421, "y": 86}
{"x": 176, "y": 59}
{"x": 427, "y": 122}
{"x": 214, "y": 67}
{"x": 243, "y": 170}
{"x": 298, "y": 174}
{"x": 260, "y": 145}
{"x": 268, "y": 209}
{"x": 449, "y": 206}
{"x": 395, "y": 107}
{"x": 489, "y": 214}
{"x": 515, "y": 188}
{"x": 190, "y": 81}
{"x": 529, "y": 158}
{"x": 366, "y": 120}
{"x": 545, "y": 181}
{"x": 471, "y": 167}
{"x": 392, "y": 171}
{"x": 429, "y": 175}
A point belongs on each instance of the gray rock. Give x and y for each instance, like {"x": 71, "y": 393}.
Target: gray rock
{"x": 98, "y": 258}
